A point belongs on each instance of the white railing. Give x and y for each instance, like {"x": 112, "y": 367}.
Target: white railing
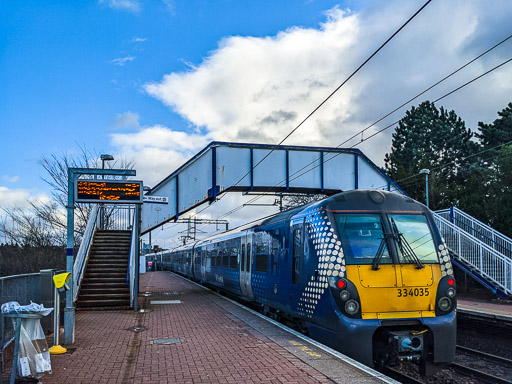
{"x": 476, "y": 228}
{"x": 83, "y": 251}
{"x": 117, "y": 217}
{"x": 489, "y": 263}
{"x": 134, "y": 254}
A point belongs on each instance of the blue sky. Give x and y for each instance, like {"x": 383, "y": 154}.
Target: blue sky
{"x": 67, "y": 69}
{"x": 157, "y": 80}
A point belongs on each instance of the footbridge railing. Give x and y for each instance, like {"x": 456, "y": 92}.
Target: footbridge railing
{"x": 476, "y": 228}
{"x": 479, "y": 259}
{"x": 111, "y": 218}
{"x": 83, "y": 251}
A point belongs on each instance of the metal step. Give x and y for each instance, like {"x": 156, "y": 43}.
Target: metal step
{"x": 104, "y": 303}
{"x": 101, "y": 290}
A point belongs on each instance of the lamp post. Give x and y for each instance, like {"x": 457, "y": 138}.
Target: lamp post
{"x": 104, "y": 157}
{"x": 425, "y": 172}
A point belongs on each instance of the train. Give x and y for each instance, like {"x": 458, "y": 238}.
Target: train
{"x": 365, "y": 272}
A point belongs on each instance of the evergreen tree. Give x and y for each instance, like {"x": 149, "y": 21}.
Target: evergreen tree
{"x": 434, "y": 139}
{"x": 498, "y": 132}
{"x": 496, "y": 138}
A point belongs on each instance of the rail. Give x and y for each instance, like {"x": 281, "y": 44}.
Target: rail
{"x": 476, "y": 228}
{"x": 485, "y": 260}
{"x": 83, "y": 251}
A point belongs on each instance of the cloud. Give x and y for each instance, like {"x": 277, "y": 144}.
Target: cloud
{"x": 170, "y": 5}
{"x": 126, "y": 120}
{"x": 10, "y": 179}
{"x": 158, "y": 150}
{"x": 19, "y": 197}
{"x": 122, "y": 5}
{"x": 257, "y": 89}
{"x": 139, "y": 40}
{"x": 122, "y": 60}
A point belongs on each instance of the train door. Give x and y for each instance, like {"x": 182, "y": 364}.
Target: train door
{"x": 246, "y": 265}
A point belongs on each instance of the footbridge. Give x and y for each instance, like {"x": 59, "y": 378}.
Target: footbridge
{"x": 236, "y": 167}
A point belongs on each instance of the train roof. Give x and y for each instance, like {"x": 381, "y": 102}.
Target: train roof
{"x": 360, "y": 199}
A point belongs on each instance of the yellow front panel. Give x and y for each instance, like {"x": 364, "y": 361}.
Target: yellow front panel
{"x": 413, "y": 277}
{"x": 386, "y": 276}
{"x": 395, "y": 292}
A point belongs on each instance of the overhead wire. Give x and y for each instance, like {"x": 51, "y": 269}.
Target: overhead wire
{"x": 398, "y": 108}
{"x": 371, "y": 136}
{"x": 387, "y": 115}
{"x": 327, "y": 98}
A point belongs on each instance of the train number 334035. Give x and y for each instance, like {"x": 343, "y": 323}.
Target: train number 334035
{"x": 404, "y": 292}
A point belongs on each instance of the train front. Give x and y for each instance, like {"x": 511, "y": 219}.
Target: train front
{"x": 396, "y": 297}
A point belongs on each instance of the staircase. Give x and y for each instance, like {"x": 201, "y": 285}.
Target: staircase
{"x": 105, "y": 285}
{"x": 476, "y": 252}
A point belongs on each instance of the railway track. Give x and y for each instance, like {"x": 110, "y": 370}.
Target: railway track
{"x": 485, "y": 366}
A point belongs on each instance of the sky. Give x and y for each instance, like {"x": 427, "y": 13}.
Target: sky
{"x": 156, "y": 81}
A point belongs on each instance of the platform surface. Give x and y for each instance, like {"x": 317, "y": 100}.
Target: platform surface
{"x": 194, "y": 336}
{"x": 496, "y": 308}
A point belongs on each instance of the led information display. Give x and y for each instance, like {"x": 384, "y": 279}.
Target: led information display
{"x": 99, "y": 191}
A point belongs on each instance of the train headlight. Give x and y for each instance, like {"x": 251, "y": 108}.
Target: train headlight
{"x": 344, "y": 295}
{"x": 450, "y": 292}
{"x": 444, "y": 304}
{"x": 352, "y": 307}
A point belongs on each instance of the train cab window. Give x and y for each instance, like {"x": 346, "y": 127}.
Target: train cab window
{"x": 362, "y": 238}
{"x": 297, "y": 254}
{"x": 417, "y": 235}
{"x": 242, "y": 263}
{"x": 248, "y": 259}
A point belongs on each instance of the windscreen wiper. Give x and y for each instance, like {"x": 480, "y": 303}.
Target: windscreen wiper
{"x": 405, "y": 247}
{"x": 380, "y": 251}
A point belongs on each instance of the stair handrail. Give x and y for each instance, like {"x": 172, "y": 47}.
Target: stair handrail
{"x": 497, "y": 261}
{"x": 132, "y": 265}
{"x": 480, "y": 230}
{"x": 83, "y": 252}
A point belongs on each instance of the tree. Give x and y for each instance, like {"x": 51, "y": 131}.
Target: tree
{"x": 498, "y": 132}
{"x": 299, "y": 199}
{"x": 496, "y": 159}
{"x": 45, "y": 223}
{"x": 435, "y": 139}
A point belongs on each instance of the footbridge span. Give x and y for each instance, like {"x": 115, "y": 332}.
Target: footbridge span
{"x": 235, "y": 167}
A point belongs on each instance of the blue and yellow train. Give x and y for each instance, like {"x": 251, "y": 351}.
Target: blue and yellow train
{"x": 365, "y": 272}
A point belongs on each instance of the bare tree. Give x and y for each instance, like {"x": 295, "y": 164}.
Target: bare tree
{"x": 44, "y": 223}
{"x": 27, "y": 228}
{"x": 298, "y": 199}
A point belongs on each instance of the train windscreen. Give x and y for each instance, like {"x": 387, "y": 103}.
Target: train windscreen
{"x": 416, "y": 232}
{"x": 362, "y": 238}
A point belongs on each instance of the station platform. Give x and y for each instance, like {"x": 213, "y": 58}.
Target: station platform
{"x": 188, "y": 334}
{"x": 499, "y": 310}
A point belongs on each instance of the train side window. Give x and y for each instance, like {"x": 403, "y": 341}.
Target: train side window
{"x": 248, "y": 258}
{"x": 233, "y": 258}
{"x": 274, "y": 252}
{"x": 261, "y": 256}
{"x": 242, "y": 263}
{"x": 225, "y": 258}
{"x": 297, "y": 254}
